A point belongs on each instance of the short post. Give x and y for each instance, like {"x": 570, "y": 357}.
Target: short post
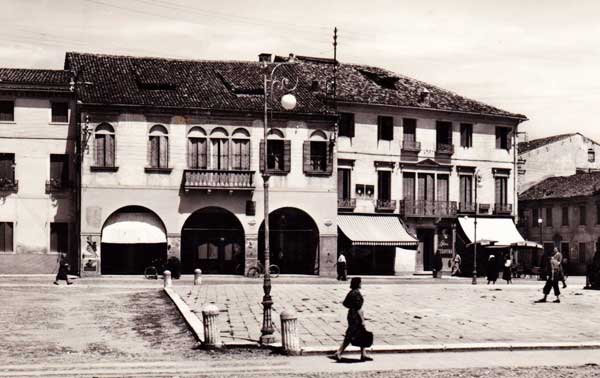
{"x": 289, "y": 333}
{"x": 167, "y": 278}
{"x": 212, "y": 337}
{"x": 197, "y": 277}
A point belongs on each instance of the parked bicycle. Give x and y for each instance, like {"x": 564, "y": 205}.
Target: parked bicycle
{"x": 153, "y": 271}
{"x": 259, "y": 270}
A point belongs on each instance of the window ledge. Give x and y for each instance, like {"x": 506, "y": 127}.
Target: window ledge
{"x": 98, "y": 168}
{"x": 8, "y": 252}
{"x": 317, "y": 173}
{"x": 58, "y": 123}
{"x": 157, "y": 170}
{"x": 8, "y": 123}
{"x": 275, "y": 172}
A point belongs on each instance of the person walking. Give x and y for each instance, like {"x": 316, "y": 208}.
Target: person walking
{"x": 553, "y": 277}
{"x": 492, "y": 270}
{"x": 437, "y": 264}
{"x": 341, "y": 267}
{"x": 507, "y": 270}
{"x": 456, "y": 265}
{"x": 356, "y": 321}
{"x": 563, "y": 271}
{"x": 63, "y": 270}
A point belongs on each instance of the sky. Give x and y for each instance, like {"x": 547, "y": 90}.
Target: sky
{"x": 538, "y": 58}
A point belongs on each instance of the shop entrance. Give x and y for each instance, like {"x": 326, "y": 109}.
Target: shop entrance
{"x": 425, "y": 236}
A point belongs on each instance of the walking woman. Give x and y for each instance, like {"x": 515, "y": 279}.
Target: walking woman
{"x": 354, "y": 301}
{"x": 63, "y": 270}
{"x": 507, "y": 271}
{"x": 492, "y": 270}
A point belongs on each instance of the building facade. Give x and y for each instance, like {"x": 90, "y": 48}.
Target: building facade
{"x": 569, "y": 153}
{"x": 564, "y": 213}
{"x": 37, "y": 171}
{"x": 172, "y": 167}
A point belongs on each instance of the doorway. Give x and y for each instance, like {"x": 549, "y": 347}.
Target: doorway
{"x": 425, "y": 236}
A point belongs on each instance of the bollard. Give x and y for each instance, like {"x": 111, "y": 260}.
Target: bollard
{"x": 289, "y": 333}
{"x": 197, "y": 277}
{"x": 212, "y": 336}
{"x": 167, "y": 277}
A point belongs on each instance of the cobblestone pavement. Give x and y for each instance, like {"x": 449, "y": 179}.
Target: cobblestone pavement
{"x": 405, "y": 314}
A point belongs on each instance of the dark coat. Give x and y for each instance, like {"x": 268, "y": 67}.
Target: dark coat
{"x": 354, "y": 301}
{"x": 437, "y": 261}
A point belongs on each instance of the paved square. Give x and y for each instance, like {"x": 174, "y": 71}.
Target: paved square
{"x": 404, "y": 314}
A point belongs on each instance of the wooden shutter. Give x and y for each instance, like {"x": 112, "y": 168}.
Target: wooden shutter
{"x": 236, "y": 156}
{"x": 100, "y": 148}
{"x": 8, "y": 236}
{"x": 214, "y": 154}
{"x": 154, "y": 151}
{"x": 163, "y": 145}
{"x": 202, "y": 148}
{"x": 287, "y": 155}
{"x": 442, "y": 188}
{"x": 261, "y": 156}
{"x": 245, "y": 152}
{"x": 498, "y": 137}
{"x": 408, "y": 186}
{"x": 306, "y": 157}
{"x": 224, "y": 154}
{"x": 498, "y": 190}
{"x": 192, "y": 153}
{"x": 109, "y": 150}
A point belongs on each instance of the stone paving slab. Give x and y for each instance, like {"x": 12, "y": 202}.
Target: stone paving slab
{"x": 407, "y": 314}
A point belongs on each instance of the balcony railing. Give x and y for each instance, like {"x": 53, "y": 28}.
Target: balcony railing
{"x": 410, "y": 145}
{"x": 56, "y": 186}
{"x": 9, "y": 185}
{"x": 385, "y": 205}
{"x": 425, "y": 208}
{"x": 446, "y": 149}
{"x": 466, "y": 207}
{"x": 347, "y": 204}
{"x": 218, "y": 180}
{"x": 503, "y": 208}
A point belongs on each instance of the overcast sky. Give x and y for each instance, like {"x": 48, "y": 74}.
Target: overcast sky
{"x": 541, "y": 59}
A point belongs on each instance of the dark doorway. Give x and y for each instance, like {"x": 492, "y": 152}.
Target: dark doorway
{"x": 294, "y": 241}
{"x": 130, "y": 258}
{"x": 425, "y": 237}
{"x": 212, "y": 239}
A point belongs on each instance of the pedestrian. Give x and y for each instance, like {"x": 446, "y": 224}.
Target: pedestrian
{"x": 507, "y": 271}
{"x": 456, "y": 265}
{"x": 563, "y": 271}
{"x": 356, "y": 321}
{"x": 437, "y": 264}
{"x": 341, "y": 267}
{"x": 492, "y": 270}
{"x": 63, "y": 269}
{"x": 553, "y": 277}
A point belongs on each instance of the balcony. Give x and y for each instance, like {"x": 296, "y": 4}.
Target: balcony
{"x": 425, "y": 208}
{"x": 466, "y": 207}
{"x": 385, "y": 205}
{"x": 503, "y": 208}
{"x": 444, "y": 149}
{"x": 411, "y": 146}
{"x": 346, "y": 204}
{"x": 57, "y": 186}
{"x": 8, "y": 185}
{"x": 212, "y": 179}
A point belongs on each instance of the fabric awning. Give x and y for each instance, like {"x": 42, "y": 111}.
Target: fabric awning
{"x": 375, "y": 230}
{"x": 133, "y": 228}
{"x": 502, "y": 231}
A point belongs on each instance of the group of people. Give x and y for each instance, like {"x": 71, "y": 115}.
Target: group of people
{"x": 507, "y": 269}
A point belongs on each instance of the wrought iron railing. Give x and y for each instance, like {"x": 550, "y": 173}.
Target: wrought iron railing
{"x": 218, "y": 179}
{"x": 53, "y": 186}
{"x": 442, "y": 148}
{"x": 503, "y": 208}
{"x": 385, "y": 205}
{"x": 8, "y": 184}
{"x": 466, "y": 207}
{"x": 426, "y": 208}
{"x": 411, "y": 145}
{"x": 346, "y": 203}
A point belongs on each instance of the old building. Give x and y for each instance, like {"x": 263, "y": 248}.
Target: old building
{"x": 569, "y": 153}
{"x": 171, "y": 165}
{"x": 411, "y": 151}
{"x": 564, "y": 212}
{"x": 37, "y": 170}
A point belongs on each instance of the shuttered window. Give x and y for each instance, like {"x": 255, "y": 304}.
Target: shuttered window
{"x": 158, "y": 145}
{"x": 346, "y": 126}
{"x": 59, "y": 169}
{"x": 240, "y": 154}
{"x": 501, "y": 190}
{"x": 385, "y": 128}
{"x": 6, "y": 236}
{"x": 59, "y": 237}
{"x": 105, "y": 146}
{"x": 408, "y": 185}
{"x": 466, "y": 135}
{"x": 317, "y": 158}
{"x": 197, "y": 153}
{"x": 442, "y": 188}
{"x": 425, "y": 187}
{"x": 466, "y": 189}
{"x": 278, "y": 156}
{"x": 219, "y": 154}
{"x": 344, "y": 183}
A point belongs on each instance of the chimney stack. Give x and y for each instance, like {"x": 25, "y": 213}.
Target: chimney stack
{"x": 265, "y": 57}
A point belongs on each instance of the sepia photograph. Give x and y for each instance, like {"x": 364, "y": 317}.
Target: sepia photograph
{"x": 321, "y": 189}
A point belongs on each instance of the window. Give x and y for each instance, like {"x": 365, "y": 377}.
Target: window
{"x": 591, "y": 155}
{"x": 317, "y": 154}
{"x": 582, "y": 215}
{"x": 501, "y": 184}
{"x": 549, "y": 217}
{"x": 105, "y": 145}
{"x": 408, "y": 186}
{"x": 534, "y": 217}
{"x": 385, "y": 128}
{"x": 59, "y": 170}
{"x": 442, "y": 188}
{"x": 409, "y": 130}
{"x": 219, "y": 151}
{"x": 7, "y": 111}
{"x": 466, "y": 135}
{"x": 564, "y": 249}
{"x": 7, "y": 171}
{"x": 466, "y": 189}
{"x": 278, "y": 156}
{"x": 582, "y": 253}
{"x": 443, "y": 135}
{"x": 197, "y": 149}
{"x": 59, "y": 237}
{"x": 6, "y": 236}
{"x": 240, "y": 154}
{"x": 503, "y": 138}
{"x": 60, "y": 112}
{"x": 565, "y": 215}
{"x": 344, "y": 183}
{"x": 158, "y": 147}
{"x": 346, "y": 128}
{"x": 384, "y": 185}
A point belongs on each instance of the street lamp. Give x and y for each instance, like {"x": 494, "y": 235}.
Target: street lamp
{"x": 288, "y": 102}
{"x": 540, "y": 221}
{"x": 477, "y": 178}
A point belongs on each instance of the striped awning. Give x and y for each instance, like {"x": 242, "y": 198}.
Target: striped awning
{"x": 375, "y": 230}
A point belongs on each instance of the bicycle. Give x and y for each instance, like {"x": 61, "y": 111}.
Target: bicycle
{"x": 259, "y": 269}
{"x": 151, "y": 272}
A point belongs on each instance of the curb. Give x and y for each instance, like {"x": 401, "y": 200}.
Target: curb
{"x": 190, "y": 318}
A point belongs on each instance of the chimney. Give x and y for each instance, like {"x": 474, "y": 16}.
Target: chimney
{"x": 265, "y": 57}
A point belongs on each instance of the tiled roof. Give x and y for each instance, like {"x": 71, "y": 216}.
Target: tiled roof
{"x": 537, "y": 143}
{"x": 577, "y": 185}
{"x": 30, "y": 79}
{"x": 234, "y": 85}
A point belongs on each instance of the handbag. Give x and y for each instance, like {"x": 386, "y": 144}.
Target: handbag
{"x": 363, "y": 339}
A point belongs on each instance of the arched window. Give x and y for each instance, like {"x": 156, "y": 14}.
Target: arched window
{"x": 278, "y": 153}
{"x": 318, "y": 154}
{"x": 158, "y": 147}
{"x": 240, "y": 154}
{"x": 104, "y": 145}
{"x": 197, "y": 149}
{"x": 219, "y": 145}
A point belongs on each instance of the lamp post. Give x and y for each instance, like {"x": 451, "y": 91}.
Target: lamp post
{"x": 288, "y": 102}
{"x": 477, "y": 178}
{"x": 540, "y": 221}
